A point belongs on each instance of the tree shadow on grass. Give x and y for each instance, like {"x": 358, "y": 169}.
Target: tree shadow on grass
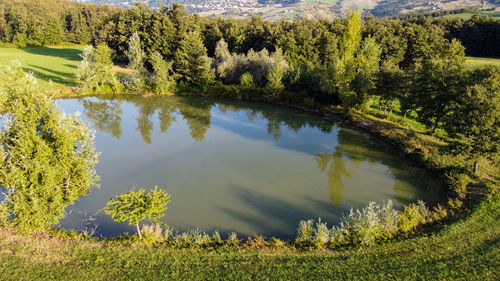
{"x": 56, "y": 76}
{"x": 64, "y": 53}
{"x": 71, "y": 66}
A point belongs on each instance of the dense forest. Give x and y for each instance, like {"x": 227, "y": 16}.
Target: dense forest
{"x": 39, "y": 23}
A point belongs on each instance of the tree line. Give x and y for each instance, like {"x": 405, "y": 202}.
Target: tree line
{"x": 39, "y": 23}
{"x": 352, "y": 63}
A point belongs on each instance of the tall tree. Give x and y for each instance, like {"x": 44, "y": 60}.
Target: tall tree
{"x": 439, "y": 82}
{"x": 191, "y": 60}
{"x": 475, "y": 118}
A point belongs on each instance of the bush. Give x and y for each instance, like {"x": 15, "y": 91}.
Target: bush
{"x": 305, "y": 231}
{"x": 363, "y": 226}
{"x": 459, "y": 184}
{"x": 96, "y": 70}
{"x": 321, "y": 233}
{"x": 413, "y": 215}
{"x": 135, "y": 206}
{"x": 246, "y": 80}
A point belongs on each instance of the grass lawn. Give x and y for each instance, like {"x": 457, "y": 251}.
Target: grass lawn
{"x": 312, "y": 2}
{"x": 53, "y": 67}
{"x": 466, "y": 16}
{"x": 474, "y": 61}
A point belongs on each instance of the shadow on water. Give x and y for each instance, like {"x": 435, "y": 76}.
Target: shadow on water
{"x": 276, "y": 217}
{"x": 64, "y": 53}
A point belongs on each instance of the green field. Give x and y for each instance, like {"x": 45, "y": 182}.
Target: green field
{"x": 466, "y": 16}
{"x": 474, "y": 61}
{"x": 53, "y": 67}
{"x": 312, "y": 2}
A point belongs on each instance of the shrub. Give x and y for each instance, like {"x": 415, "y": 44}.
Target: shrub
{"x": 459, "y": 183}
{"x": 321, "y": 233}
{"x": 152, "y": 232}
{"x": 389, "y": 218}
{"x": 216, "y": 237}
{"x": 233, "y": 239}
{"x": 305, "y": 231}
{"x": 439, "y": 212}
{"x": 414, "y": 215}
{"x": 96, "y": 69}
{"x": 246, "y": 80}
{"x": 135, "y": 206}
{"x": 363, "y": 224}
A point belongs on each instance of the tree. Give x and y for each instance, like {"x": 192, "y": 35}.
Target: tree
{"x": 476, "y": 115}
{"x": 276, "y": 73}
{"x": 136, "y": 206}
{"x": 350, "y": 76}
{"x": 95, "y": 72}
{"x": 439, "y": 81}
{"x": 391, "y": 83}
{"x": 163, "y": 76}
{"x": 136, "y": 57}
{"x": 191, "y": 60}
{"x": 47, "y": 158}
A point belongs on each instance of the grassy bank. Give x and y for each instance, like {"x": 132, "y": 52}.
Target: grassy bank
{"x": 468, "y": 249}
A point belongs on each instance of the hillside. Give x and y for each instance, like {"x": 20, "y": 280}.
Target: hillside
{"x": 289, "y": 9}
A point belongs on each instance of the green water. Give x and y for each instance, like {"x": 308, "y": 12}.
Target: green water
{"x": 250, "y": 168}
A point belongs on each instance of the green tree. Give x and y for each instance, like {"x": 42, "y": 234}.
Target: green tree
{"x": 191, "y": 60}
{"x": 475, "y": 119}
{"x": 136, "y": 206}
{"x": 276, "y": 72}
{"x": 136, "y": 57}
{"x": 163, "y": 76}
{"x": 47, "y": 157}
{"x": 350, "y": 76}
{"x": 439, "y": 81}
{"x": 95, "y": 72}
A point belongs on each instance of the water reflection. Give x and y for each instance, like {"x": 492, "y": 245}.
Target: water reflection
{"x": 105, "y": 115}
{"x": 237, "y": 166}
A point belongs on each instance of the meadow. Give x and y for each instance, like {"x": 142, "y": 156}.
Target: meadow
{"x": 53, "y": 67}
{"x": 466, "y": 16}
{"x": 475, "y": 61}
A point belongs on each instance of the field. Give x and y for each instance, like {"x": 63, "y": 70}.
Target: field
{"x": 474, "y": 62}
{"x": 53, "y": 67}
{"x": 466, "y": 16}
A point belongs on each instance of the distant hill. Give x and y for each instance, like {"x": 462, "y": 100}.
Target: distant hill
{"x": 289, "y": 9}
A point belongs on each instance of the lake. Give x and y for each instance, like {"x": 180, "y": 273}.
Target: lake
{"x": 235, "y": 166}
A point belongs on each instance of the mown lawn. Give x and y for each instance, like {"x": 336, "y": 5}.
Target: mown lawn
{"x": 53, "y": 67}
{"x": 465, "y": 250}
{"x": 475, "y": 61}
